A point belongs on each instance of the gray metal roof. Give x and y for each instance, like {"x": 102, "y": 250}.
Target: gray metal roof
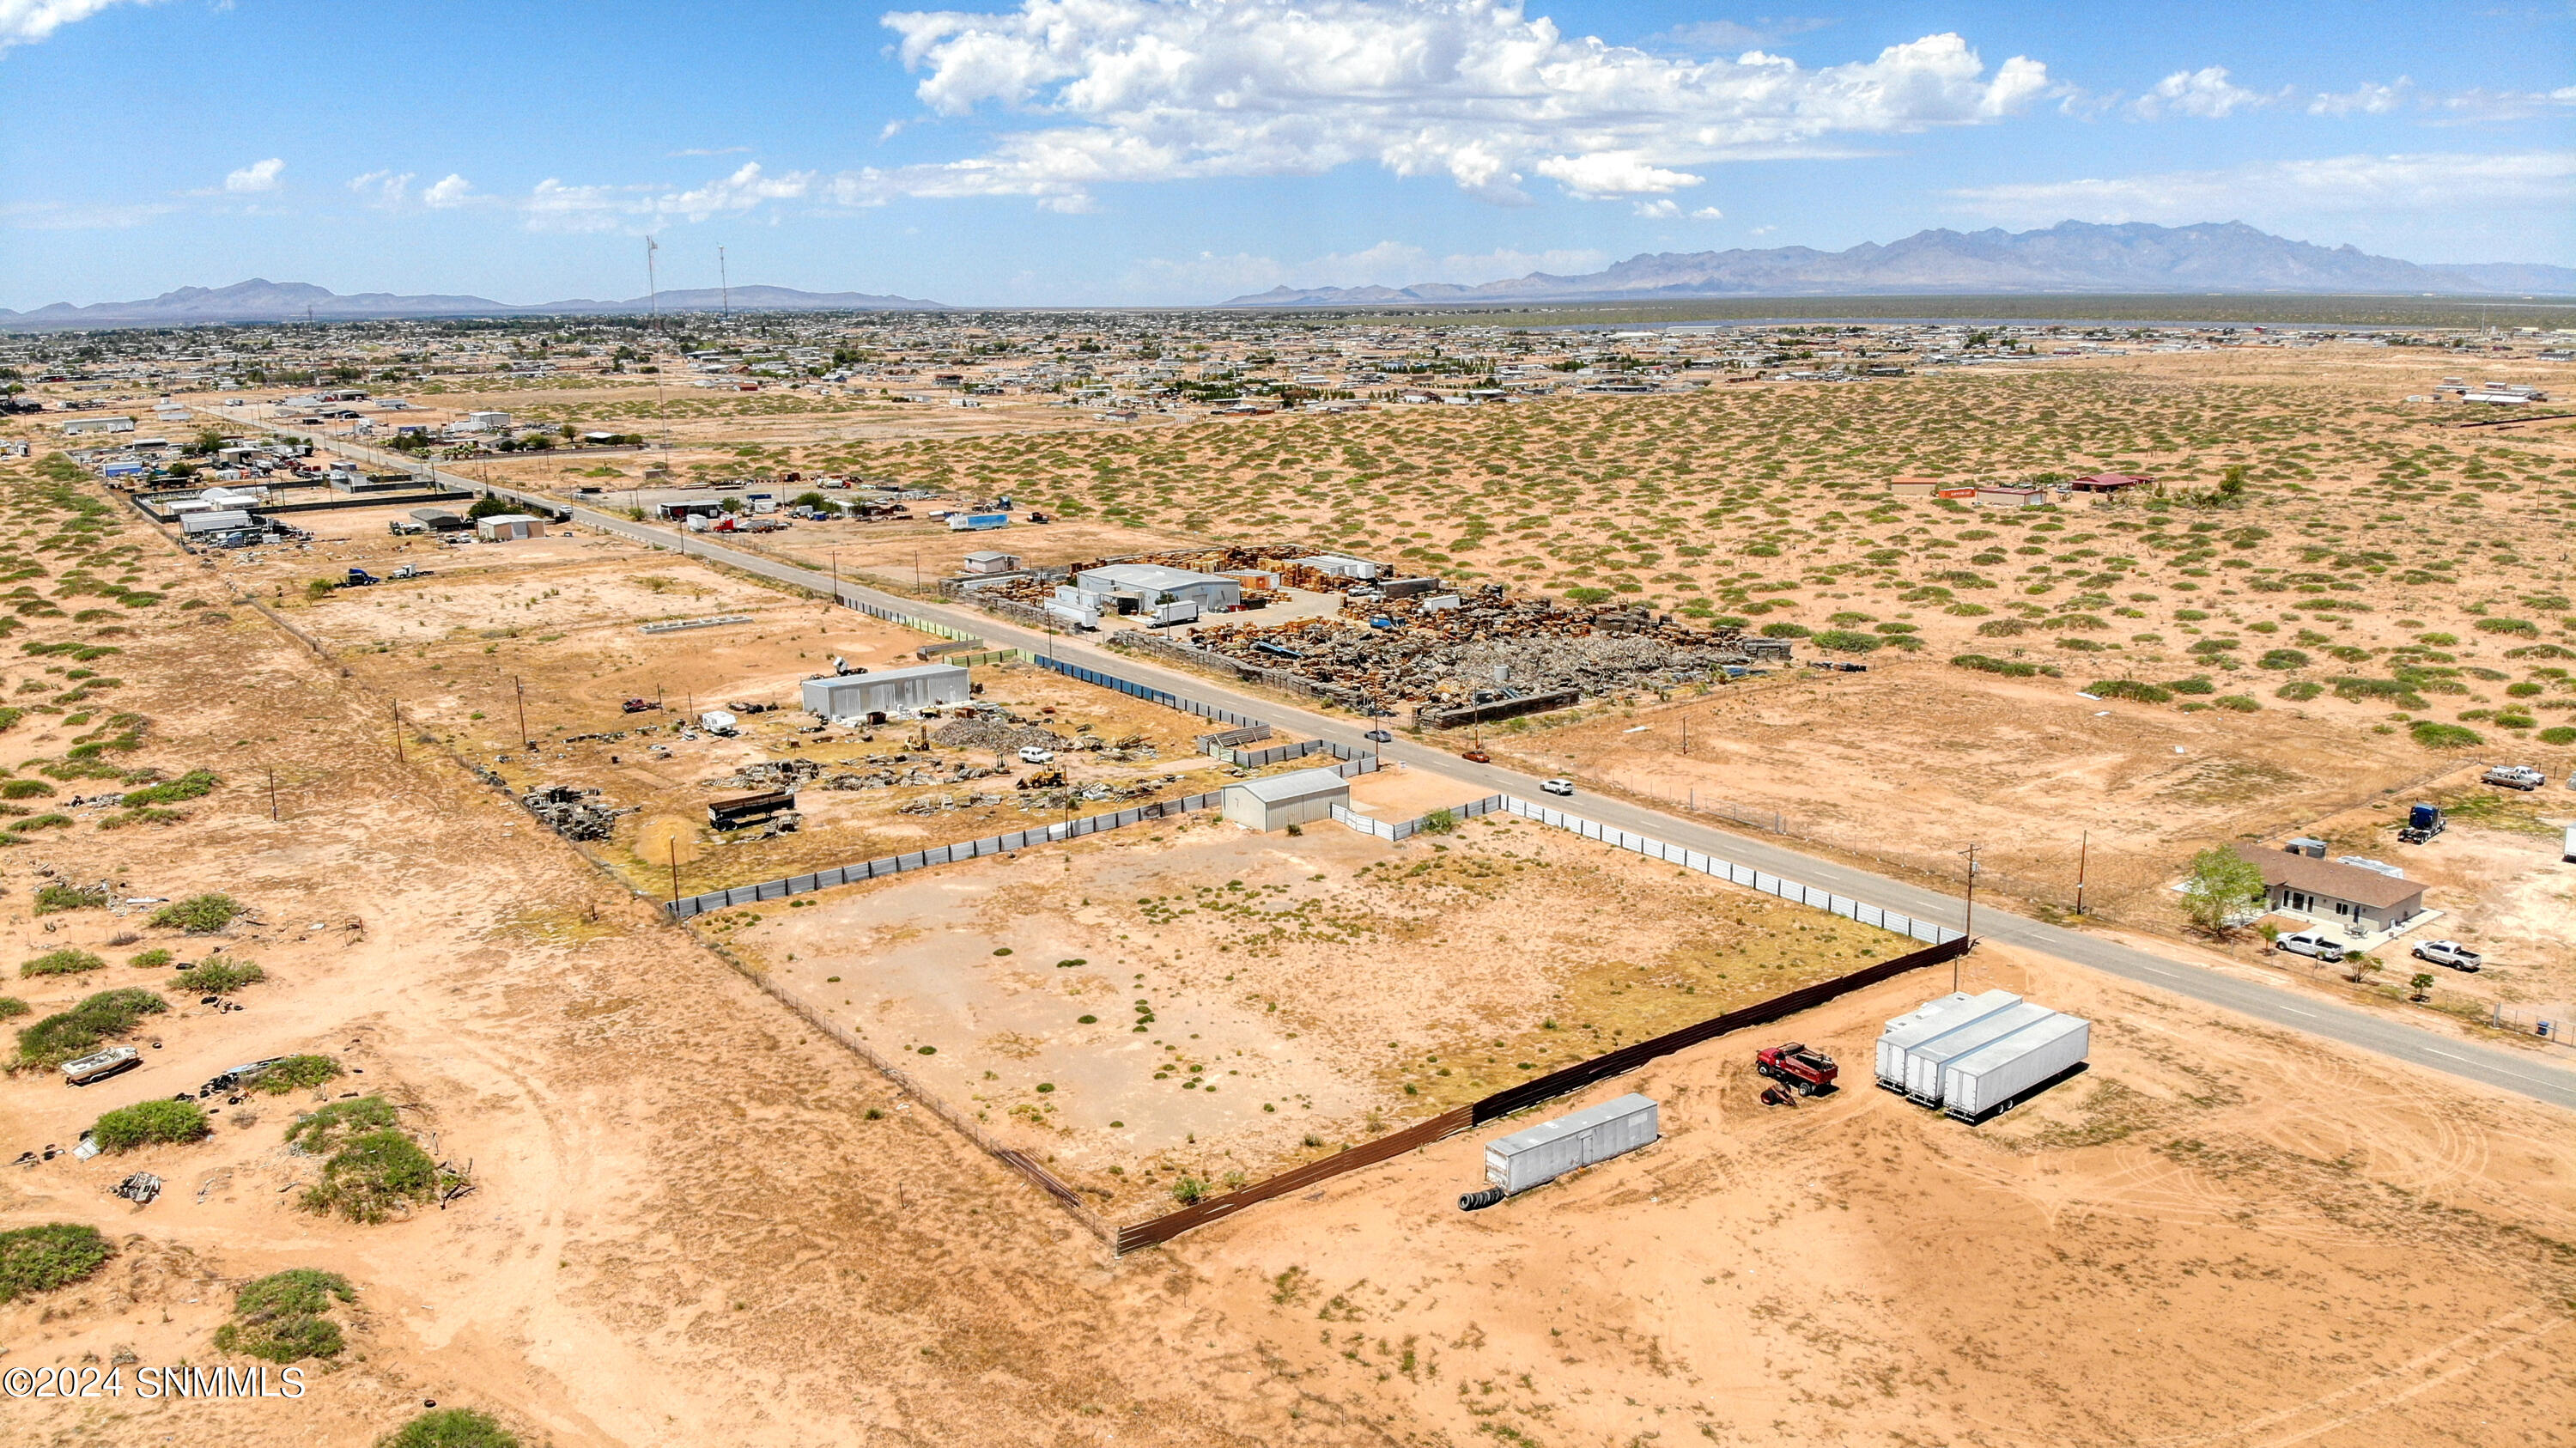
{"x": 1152, "y": 575}
{"x": 889, "y": 676}
{"x": 1295, "y": 784}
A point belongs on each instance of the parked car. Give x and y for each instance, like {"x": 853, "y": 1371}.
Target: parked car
{"x": 2312, "y": 943}
{"x": 1378, "y": 736}
{"x": 2449, "y": 952}
{"x": 1032, "y": 754}
{"x": 2515, "y": 776}
{"x": 1559, "y": 786}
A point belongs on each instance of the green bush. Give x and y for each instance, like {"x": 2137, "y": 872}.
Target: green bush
{"x": 1440, "y": 822}
{"x": 2282, "y": 659}
{"x": 194, "y": 784}
{"x": 296, "y": 1073}
{"x": 2444, "y": 736}
{"x": 2558, "y": 735}
{"x": 450, "y": 1428}
{"x": 78, "y": 1031}
{"x": 2521, "y": 627}
{"x": 53, "y": 899}
{"x": 324, "y": 1130}
{"x": 11, "y": 1008}
{"x": 2298, "y": 692}
{"x": 2237, "y": 703}
{"x": 2196, "y": 684}
{"x": 24, "y": 789}
{"x": 148, "y": 1122}
{"x": 41, "y": 1259}
{"x": 2131, "y": 689}
{"x": 1786, "y": 631}
{"x": 1985, "y": 664}
{"x": 152, "y": 959}
{"x": 65, "y": 961}
{"x": 372, "y": 1175}
{"x": 1847, "y": 641}
{"x": 220, "y": 976}
{"x": 2003, "y": 628}
{"x": 199, "y": 914}
{"x": 282, "y": 1318}
{"x": 492, "y": 508}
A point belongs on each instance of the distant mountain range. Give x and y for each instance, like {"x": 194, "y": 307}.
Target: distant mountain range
{"x": 259, "y": 300}
{"x": 2072, "y": 256}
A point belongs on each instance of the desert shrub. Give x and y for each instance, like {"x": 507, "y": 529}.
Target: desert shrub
{"x": 1440, "y": 822}
{"x": 450, "y": 1428}
{"x": 199, "y": 914}
{"x": 148, "y": 1122}
{"x": 24, "y": 789}
{"x": 2298, "y": 692}
{"x": 283, "y": 1317}
{"x": 11, "y": 1008}
{"x": 2196, "y": 684}
{"x": 296, "y": 1073}
{"x": 2282, "y": 659}
{"x": 1786, "y": 631}
{"x": 2003, "y": 628}
{"x": 2080, "y": 622}
{"x": 1987, "y": 664}
{"x": 65, "y": 961}
{"x": 53, "y": 899}
{"x": 326, "y": 1129}
{"x": 152, "y": 959}
{"x": 2131, "y": 689}
{"x": 220, "y": 976}
{"x": 2236, "y": 703}
{"x": 2521, "y": 627}
{"x": 194, "y": 784}
{"x": 78, "y": 1031}
{"x": 1847, "y": 641}
{"x": 40, "y": 1259}
{"x": 2560, "y": 734}
{"x": 56, "y": 821}
{"x": 1188, "y": 1190}
{"x": 2444, "y": 736}
{"x": 372, "y": 1175}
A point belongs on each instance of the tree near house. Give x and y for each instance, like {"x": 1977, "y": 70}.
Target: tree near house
{"x": 2221, "y": 885}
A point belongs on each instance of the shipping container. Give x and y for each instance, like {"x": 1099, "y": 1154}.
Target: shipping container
{"x": 1549, "y": 1150}
{"x": 1928, "y": 1020}
{"x": 1924, "y": 1061}
{"x": 1993, "y": 1077}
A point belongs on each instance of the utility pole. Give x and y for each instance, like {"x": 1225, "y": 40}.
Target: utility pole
{"x": 1970, "y": 924}
{"x": 2083, "y": 847}
{"x": 519, "y": 690}
{"x": 272, "y": 794}
{"x": 398, "y": 744}
{"x": 675, "y": 869}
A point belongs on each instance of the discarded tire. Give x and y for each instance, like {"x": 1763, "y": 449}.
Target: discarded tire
{"x": 1477, "y": 1201}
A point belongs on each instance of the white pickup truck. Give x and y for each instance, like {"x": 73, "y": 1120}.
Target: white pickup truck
{"x": 2449, "y": 952}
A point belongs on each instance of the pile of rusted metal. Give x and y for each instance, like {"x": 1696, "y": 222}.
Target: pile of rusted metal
{"x": 572, "y": 812}
{"x": 1486, "y": 647}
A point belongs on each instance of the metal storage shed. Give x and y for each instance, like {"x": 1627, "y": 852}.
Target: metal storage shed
{"x": 880, "y": 696}
{"x": 502, "y": 527}
{"x": 1296, "y": 798}
{"x": 1550, "y": 1149}
{"x": 1151, "y": 583}
{"x": 225, "y": 520}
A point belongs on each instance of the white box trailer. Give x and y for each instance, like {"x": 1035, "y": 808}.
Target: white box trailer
{"x": 1997, "y": 1075}
{"x": 1550, "y": 1149}
{"x": 1929, "y": 1020}
{"x": 1924, "y": 1062}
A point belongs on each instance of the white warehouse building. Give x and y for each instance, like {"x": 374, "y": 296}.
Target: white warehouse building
{"x": 1142, "y": 585}
{"x": 1276, "y": 801}
{"x": 878, "y": 697}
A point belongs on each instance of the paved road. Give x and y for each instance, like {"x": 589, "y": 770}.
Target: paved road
{"x": 2519, "y": 1072}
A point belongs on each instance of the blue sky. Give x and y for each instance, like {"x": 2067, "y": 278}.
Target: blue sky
{"x": 1132, "y": 151}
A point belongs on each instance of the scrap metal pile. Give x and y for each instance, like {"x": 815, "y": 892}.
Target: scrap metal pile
{"x": 1489, "y": 647}
{"x": 575, "y": 814}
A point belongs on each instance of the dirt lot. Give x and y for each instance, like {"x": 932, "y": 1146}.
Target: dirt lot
{"x": 1914, "y": 762}
{"x": 1191, "y": 998}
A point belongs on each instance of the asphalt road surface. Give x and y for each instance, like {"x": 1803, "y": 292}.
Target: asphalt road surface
{"x": 2521, "y": 1072}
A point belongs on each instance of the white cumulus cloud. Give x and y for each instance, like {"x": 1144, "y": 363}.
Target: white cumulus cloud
{"x": 386, "y": 190}
{"x": 24, "y": 22}
{"x": 557, "y": 206}
{"x": 449, "y": 192}
{"x": 2337, "y": 184}
{"x": 2207, "y": 93}
{"x": 1106, "y": 91}
{"x": 2367, "y": 99}
{"x": 257, "y": 176}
